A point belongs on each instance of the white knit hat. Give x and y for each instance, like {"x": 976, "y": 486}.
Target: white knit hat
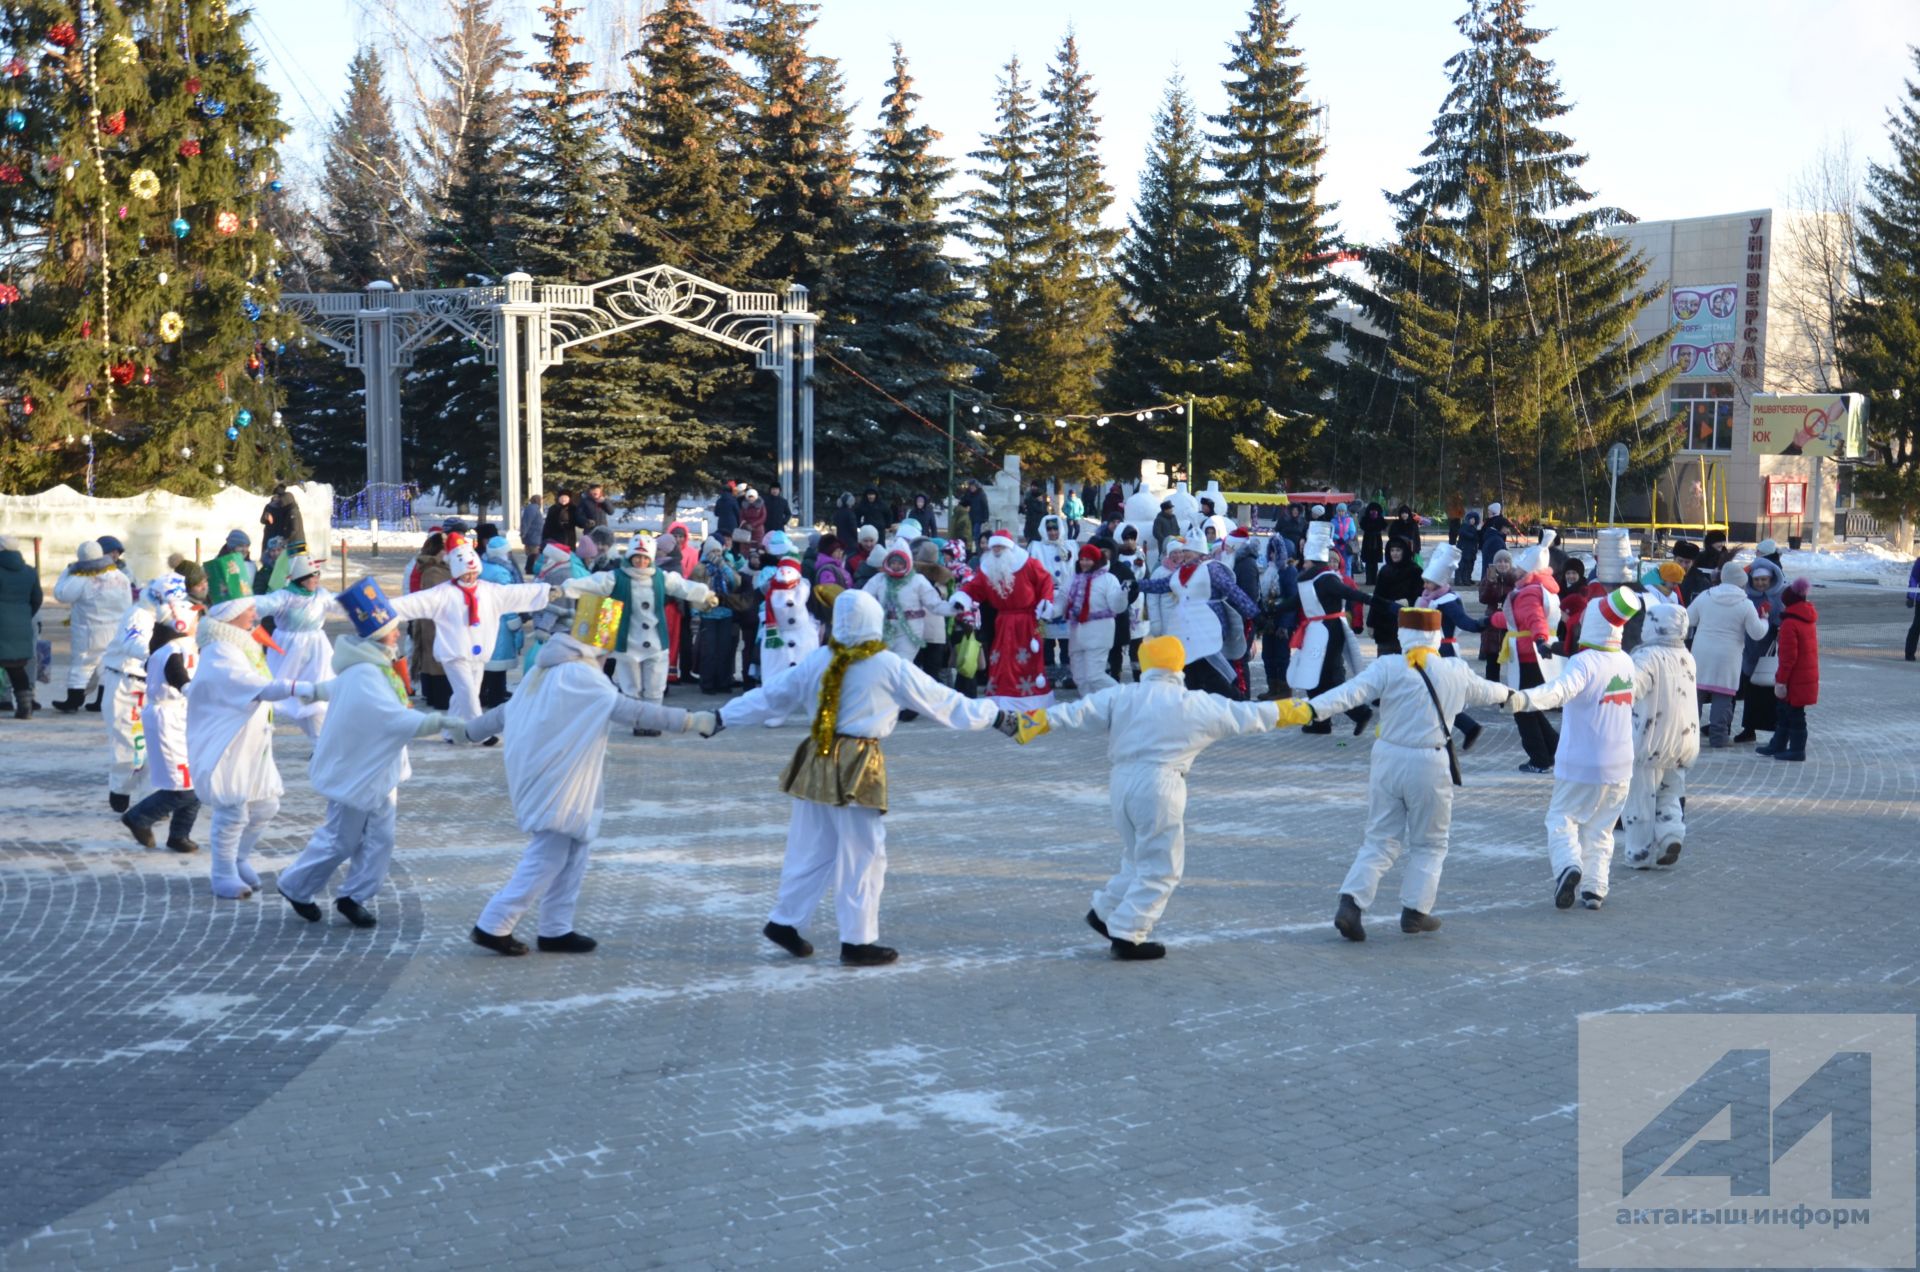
{"x": 88, "y": 552}
{"x": 1537, "y": 557}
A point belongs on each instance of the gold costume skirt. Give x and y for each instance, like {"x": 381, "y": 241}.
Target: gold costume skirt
{"x": 855, "y": 773}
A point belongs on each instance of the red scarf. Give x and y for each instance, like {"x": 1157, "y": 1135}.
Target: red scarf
{"x": 1186, "y": 572}
{"x": 472, "y": 593}
{"x": 775, "y": 585}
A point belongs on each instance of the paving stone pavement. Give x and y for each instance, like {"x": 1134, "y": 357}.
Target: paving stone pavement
{"x": 202, "y": 1084}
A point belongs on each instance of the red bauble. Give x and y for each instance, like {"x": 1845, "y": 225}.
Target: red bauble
{"x": 63, "y": 34}
{"x": 8, "y": 293}
{"x": 15, "y": 68}
{"x": 189, "y": 148}
{"x": 26, "y": 405}
{"x": 193, "y": 86}
{"x": 227, "y": 223}
{"x": 11, "y": 175}
{"x": 86, "y": 328}
{"x": 122, "y": 373}
{"x": 115, "y": 124}
{"x": 146, "y": 375}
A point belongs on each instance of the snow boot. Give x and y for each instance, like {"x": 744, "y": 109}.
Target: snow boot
{"x": 142, "y": 835}
{"x": 788, "y": 939}
{"x": 1563, "y": 889}
{"x": 355, "y": 913}
{"x": 23, "y": 707}
{"x": 1098, "y": 924}
{"x": 1795, "y": 749}
{"x": 305, "y": 909}
{"x": 506, "y": 945}
{"x": 1470, "y": 731}
{"x": 1744, "y": 736}
{"x": 1137, "y": 951}
{"x": 98, "y": 694}
{"x": 568, "y": 943}
{"x": 1590, "y": 900}
{"x": 118, "y": 803}
{"x": 71, "y": 703}
{"x": 180, "y": 843}
{"x": 1347, "y": 919}
{"x": 1412, "y": 921}
{"x": 1774, "y": 743}
{"x": 866, "y": 955}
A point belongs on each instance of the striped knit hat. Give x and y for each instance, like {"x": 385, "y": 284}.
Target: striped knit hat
{"x": 1601, "y": 623}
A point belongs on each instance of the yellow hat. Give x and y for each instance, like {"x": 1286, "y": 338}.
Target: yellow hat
{"x": 596, "y": 621}
{"x": 1163, "y": 653}
{"x": 1672, "y": 572}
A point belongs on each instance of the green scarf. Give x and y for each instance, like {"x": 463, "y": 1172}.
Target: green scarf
{"x": 827, "y": 714}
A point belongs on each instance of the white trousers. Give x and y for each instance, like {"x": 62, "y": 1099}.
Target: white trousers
{"x": 1089, "y": 668}
{"x": 235, "y": 832}
{"x": 1409, "y": 805}
{"x": 642, "y": 678}
{"x": 1654, "y": 818}
{"x": 1580, "y": 821}
{"x": 1149, "y": 811}
{"x": 359, "y": 836}
{"x": 126, "y": 737}
{"x": 550, "y": 871}
{"x": 463, "y": 678}
{"x": 845, "y": 848}
{"x": 83, "y": 660}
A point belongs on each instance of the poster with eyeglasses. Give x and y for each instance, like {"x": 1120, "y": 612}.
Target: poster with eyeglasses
{"x": 1705, "y": 323}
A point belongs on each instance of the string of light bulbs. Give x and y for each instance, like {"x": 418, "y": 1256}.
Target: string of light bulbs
{"x": 1100, "y": 419}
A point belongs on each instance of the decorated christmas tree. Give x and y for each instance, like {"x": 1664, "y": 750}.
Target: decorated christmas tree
{"x": 139, "y": 313}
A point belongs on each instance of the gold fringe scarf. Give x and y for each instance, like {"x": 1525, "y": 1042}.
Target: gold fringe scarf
{"x": 826, "y": 716}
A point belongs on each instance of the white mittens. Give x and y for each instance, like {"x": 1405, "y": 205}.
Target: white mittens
{"x": 705, "y": 723}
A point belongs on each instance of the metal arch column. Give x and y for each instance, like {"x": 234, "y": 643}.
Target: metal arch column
{"x": 804, "y": 330}
{"x": 375, "y": 344}
{"x": 506, "y": 334}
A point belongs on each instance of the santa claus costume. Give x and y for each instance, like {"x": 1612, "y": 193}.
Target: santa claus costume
{"x": 1017, "y": 589}
{"x": 1666, "y": 738}
{"x": 123, "y": 677}
{"x": 359, "y": 761}
{"x": 645, "y": 592}
{"x": 172, "y": 656}
{"x": 466, "y": 611}
{"x": 556, "y": 757}
{"x": 1413, "y": 769}
{"x": 1324, "y": 654}
{"x": 1155, "y": 729}
{"x": 230, "y": 741}
{"x": 1593, "y": 763}
{"x": 1527, "y": 660}
{"x": 855, "y": 690}
{"x": 788, "y": 633}
{"x": 1095, "y": 603}
{"x": 299, "y": 613}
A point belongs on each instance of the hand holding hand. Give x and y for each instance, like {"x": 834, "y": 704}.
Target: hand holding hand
{"x": 711, "y": 601}
{"x": 1007, "y": 722}
{"x": 1515, "y": 703}
{"x": 705, "y": 723}
{"x": 1543, "y": 648}
{"x": 466, "y": 730}
{"x": 1293, "y": 712}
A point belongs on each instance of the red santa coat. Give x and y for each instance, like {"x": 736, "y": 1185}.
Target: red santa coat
{"x": 1015, "y": 669}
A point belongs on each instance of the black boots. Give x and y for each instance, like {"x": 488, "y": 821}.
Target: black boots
{"x": 117, "y": 802}
{"x": 1137, "y": 951}
{"x": 866, "y": 955}
{"x": 1671, "y": 855}
{"x": 98, "y": 694}
{"x": 71, "y": 703}
{"x": 305, "y": 909}
{"x": 355, "y": 913}
{"x": 1774, "y": 743}
{"x": 1563, "y": 889}
{"x": 1795, "y": 747}
{"x": 1412, "y": 921}
{"x": 570, "y": 943}
{"x": 1098, "y": 924}
{"x": 499, "y": 944}
{"x": 1347, "y": 919}
{"x": 1362, "y": 717}
{"x": 788, "y": 939}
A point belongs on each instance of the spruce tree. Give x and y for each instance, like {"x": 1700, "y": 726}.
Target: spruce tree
{"x": 1268, "y": 399}
{"x": 906, "y": 311}
{"x": 1003, "y": 228}
{"x": 1175, "y": 273}
{"x": 684, "y": 181}
{"x": 1074, "y": 300}
{"x": 1510, "y": 313}
{"x": 138, "y": 299}
{"x": 1880, "y": 345}
{"x": 452, "y": 397}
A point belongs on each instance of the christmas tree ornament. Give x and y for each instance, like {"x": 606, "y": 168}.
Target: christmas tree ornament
{"x": 254, "y": 365}
{"x": 243, "y": 417}
{"x": 62, "y": 35}
{"x": 227, "y": 223}
{"x": 123, "y": 211}
{"x": 8, "y": 293}
{"x": 233, "y": 434}
{"x": 171, "y": 326}
{"x": 276, "y": 185}
{"x": 218, "y": 469}
{"x": 278, "y": 419}
{"x": 161, "y": 278}
{"x": 10, "y": 175}
{"x": 193, "y": 86}
{"x": 186, "y": 452}
{"x": 26, "y": 405}
{"x": 125, "y": 49}
{"x": 122, "y": 373}
{"x": 190, "y": 147}
{"x": 115, "y": 124}
{"x": 180, "y": 227}
{"x": 86, "y": 328}
{"x": 145, "y": 184}
{"x": 251, "y": 308}
{"x": 212, "y": 107}
{"x": 14, "y": 68}
{"x": 73, "y": 170}
{"x": 146, "y": 376}
{"x": 16, "y": 120}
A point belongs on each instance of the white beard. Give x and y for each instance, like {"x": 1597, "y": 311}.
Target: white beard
{"x": 1000, "y": 566}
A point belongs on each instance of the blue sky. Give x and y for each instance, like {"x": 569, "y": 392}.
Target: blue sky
{"x": 1685, "y": 107}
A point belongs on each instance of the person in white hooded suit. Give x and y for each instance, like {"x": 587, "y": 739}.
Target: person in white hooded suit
{"x": 299, "y": 612}
{"x": 854, "y": 689}
{"x": 556, "y": 756}
{"x": 359, "y": 761}
{"x": 1666, "y": 739}
{"x": 466, "y": 612}
{"x": 98, "y": 592}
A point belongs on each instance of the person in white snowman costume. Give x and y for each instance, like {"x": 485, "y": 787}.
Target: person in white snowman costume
{"x": 1666, "y": 739}
{"x": 299, "y": 613}
{"x": 466, "y": 612}
{"x": 639, "y": 645}
{"x": 907, "y": 599}
{"x": 788, "y": 633}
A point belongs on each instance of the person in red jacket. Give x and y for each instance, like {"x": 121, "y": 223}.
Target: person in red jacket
{"x": 1532, "y": 612}
{"x": 1797, "y": 682}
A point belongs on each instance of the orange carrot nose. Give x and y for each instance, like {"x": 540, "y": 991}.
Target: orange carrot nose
{"x": 261, "y": 636}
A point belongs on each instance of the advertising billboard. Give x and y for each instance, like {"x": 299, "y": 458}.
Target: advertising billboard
{"x": 1826, "y": 424}
{"x": 1705, "y": 322}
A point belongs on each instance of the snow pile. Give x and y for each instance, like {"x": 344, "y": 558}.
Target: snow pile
{"x": 1856, "y": 562}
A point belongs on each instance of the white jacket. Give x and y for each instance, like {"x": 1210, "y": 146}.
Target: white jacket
{"x": 229, "y": 724}
{"x": 98, "y": 600}
{"x": 1105, "y": 602}
{"x": 646, "y": 627}
{"x": 917, "y": 604}
{"x": 1407, "y": 715}
{"x": 1158, "y": 723}
{"x": 456, "y": 638}
{"x": 1666, "y": 710}
{"x": 164, "y": 718}
{"x": 872, "y": 694}
{"x": 1056, "y": 558}
{"x": 1723, "y": 619}
{"x": 361, "y": 754}
{"x": 1594, "y": 691}
{"x": 132, "y": 641}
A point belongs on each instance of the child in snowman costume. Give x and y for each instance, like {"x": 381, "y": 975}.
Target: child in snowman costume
{"x": 123, "y": 678}
{"x": 230, "y": 740}
{"x": 1095, "y": 601}
{"x": 359, "y": 761}
{"x": 907, "y": 598}
{"x": 639, "y": 645}
{"x": 556, "y": 756}
{"x": 1593, "y": 763}
{"x": 299, "y": 613}
{"x": 1413, "y": 769}
{"x": 1666, "y": 738}
{"x": 788, "y": 632}
{"x": 165, "y": 676}
{"x": 1155, "y": 728}
{"x": 466, "y": 612}
{"x": 855, "y": 690}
